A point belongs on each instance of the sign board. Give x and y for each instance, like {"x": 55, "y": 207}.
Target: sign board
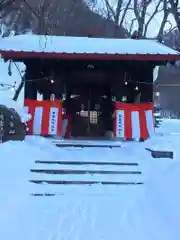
{"x": 120, "y": 123}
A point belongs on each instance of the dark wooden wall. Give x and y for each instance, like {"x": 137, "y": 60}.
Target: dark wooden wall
{"x": 118, "y": 77}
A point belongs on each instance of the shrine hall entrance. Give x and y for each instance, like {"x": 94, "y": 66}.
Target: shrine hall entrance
{"x": 89, "y": 91}
{"x": 91, "y": 114}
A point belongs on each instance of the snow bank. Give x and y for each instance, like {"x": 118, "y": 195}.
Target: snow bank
{"x": 156, "y": 212}
{"x": 18, "y": 210}
{"x": 165, "y": 197}
{"x": 166, "y": 138}
{"x": 77, "y": 214}
{"x": 9, "y": 103}
{"x": 170, "y": 127}
{"x": 149, "y": 212}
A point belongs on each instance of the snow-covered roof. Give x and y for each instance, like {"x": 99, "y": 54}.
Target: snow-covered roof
{"x": 84, "y": 47}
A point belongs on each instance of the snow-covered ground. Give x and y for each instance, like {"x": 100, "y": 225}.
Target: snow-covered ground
{"x": 139, "y": 212}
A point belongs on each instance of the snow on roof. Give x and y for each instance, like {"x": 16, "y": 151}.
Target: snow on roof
{"x": 56, "y": 46}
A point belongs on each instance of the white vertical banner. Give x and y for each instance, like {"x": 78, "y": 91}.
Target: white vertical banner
{"x": 37, "y": 123}
{"x": 150, "y": 122}
{"x": 135, "y": 119}
{"x": 53, "y": 120}
{"x": 120, "y": 123}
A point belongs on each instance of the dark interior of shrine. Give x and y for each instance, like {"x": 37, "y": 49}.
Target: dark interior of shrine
{"x": 121, "y": 78}
{"x": 89, "y": 87}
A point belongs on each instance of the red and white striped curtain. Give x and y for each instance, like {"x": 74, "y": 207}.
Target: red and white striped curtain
{"x": 46, "y": 117}
{"x": 134, "y": 121}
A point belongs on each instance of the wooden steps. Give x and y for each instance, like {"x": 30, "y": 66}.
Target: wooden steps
{"x": 87, "y": 143}
{"x": 88, "y": 163}
{"x": 84, "y": 182}
{"x": 83, "y": 145}
{"x": 59, "y": 171}
{"x": 82, "y": 173}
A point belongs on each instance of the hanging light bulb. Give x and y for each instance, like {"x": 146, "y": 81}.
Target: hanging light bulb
{"x": 13, "y": 86}
{"x": 52, "y": 81}
{"x": 157, "y": 94}
{"x": 136, "y": 88}
{"x": 125, "y": 83}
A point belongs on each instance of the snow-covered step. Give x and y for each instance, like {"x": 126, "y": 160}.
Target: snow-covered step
{"x": 84, "y": 145}
{"x": 87, "y": 144}
{"x": 83, "y": 171}
{"x": 75, "y": 162}
{"x": 76, "y": 190}
{"x": 87, "y": 167}
{"x": 69, "y": 182}
{"x": 88, "y": 177}
{"x": 54, "y": 172}
{"x": 87, "y": 182}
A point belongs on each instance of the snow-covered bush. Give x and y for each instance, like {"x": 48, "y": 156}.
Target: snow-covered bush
{"x": 12, "y": 120}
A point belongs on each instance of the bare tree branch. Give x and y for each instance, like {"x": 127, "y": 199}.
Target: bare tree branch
{"x": 125, "y": 12}
{"x": 164, "y": 20}
{"x": 118, "y": 11}
{"x": 151, "y": 18}
{"x": 175, "y": 11}
{"x": 140, "y": 11}
{"x": 110, "y": 9}
{"x": 31, "y": 9}
{"x": 131, "y": 26}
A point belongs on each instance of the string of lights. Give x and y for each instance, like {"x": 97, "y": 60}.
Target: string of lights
{"x": 168, "y": 85}
{"x": 159, "y": 84}
{"x": 5, "y": 86}
{"x": 126, "y": 82}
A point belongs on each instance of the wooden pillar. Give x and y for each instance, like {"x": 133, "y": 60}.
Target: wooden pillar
{"x": 130, "y": 92}
{"x": 30, "y": 90}
{"x": 46, "y": 95}
{"x": 47, "y": 90}
{"x": 147, "y": 86}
